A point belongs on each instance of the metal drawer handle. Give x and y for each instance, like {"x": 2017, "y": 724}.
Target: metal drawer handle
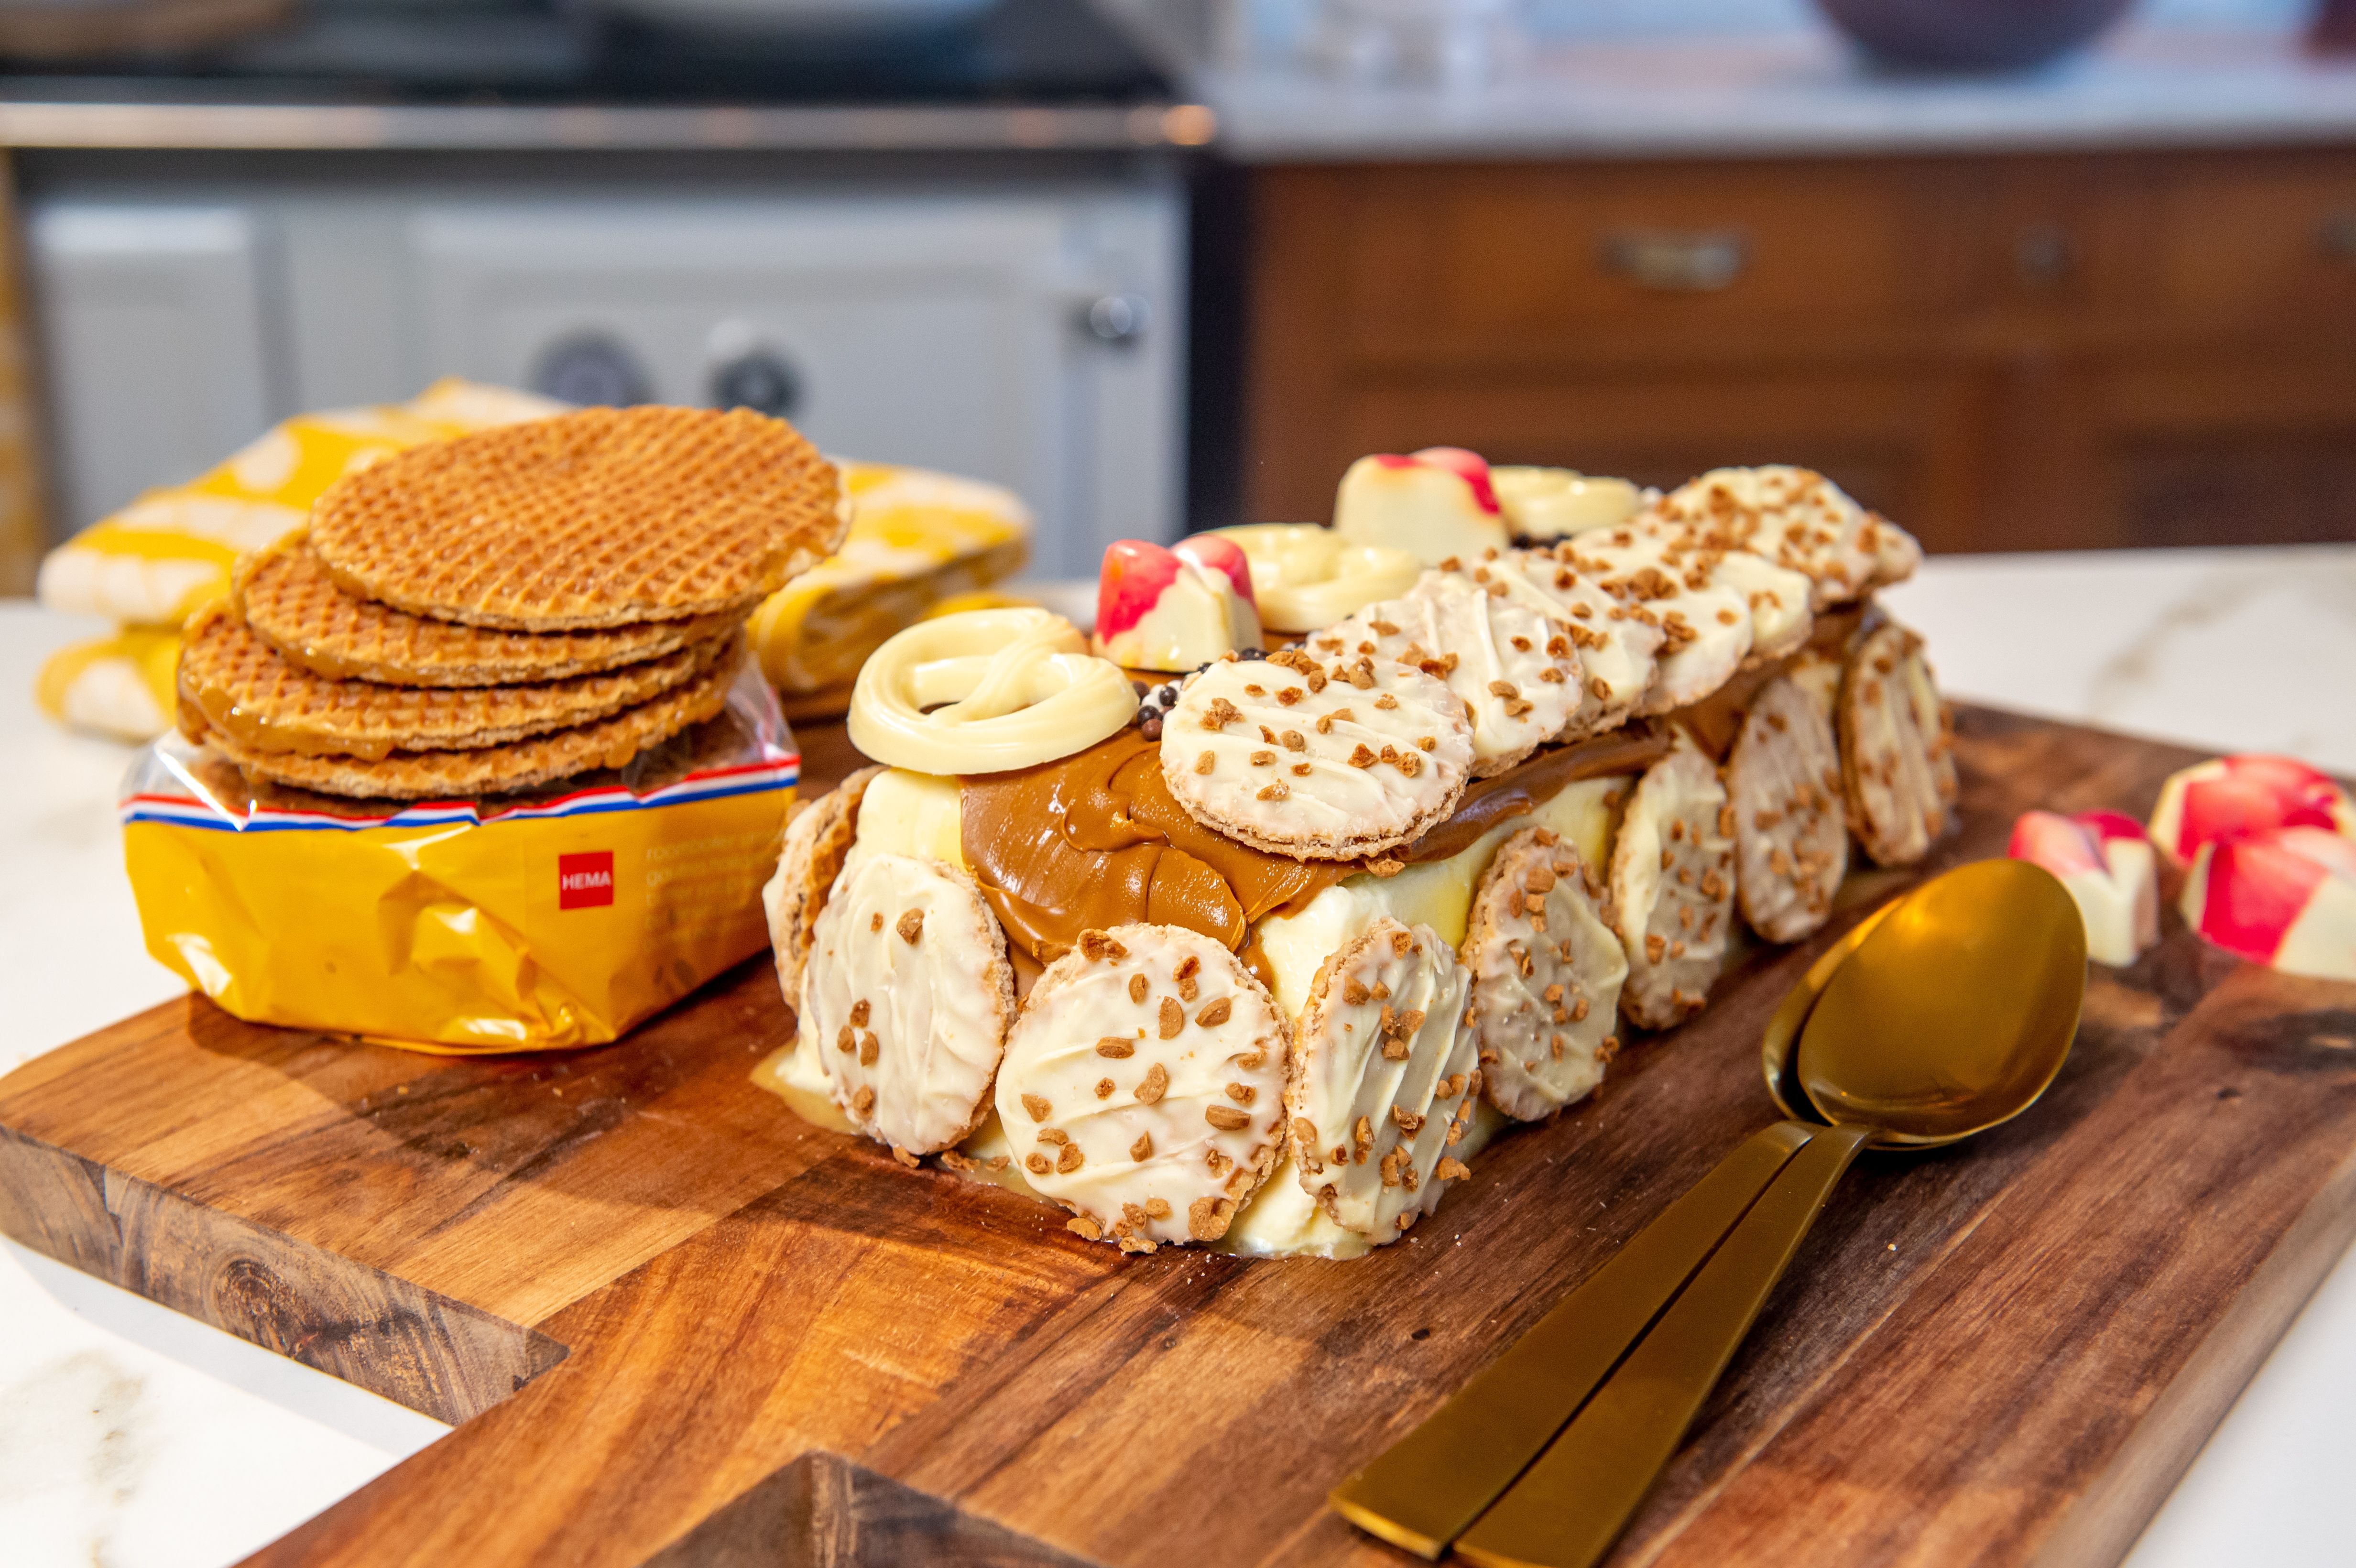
{"x": 1698, "y": 262}
{"x": 2336, "y": 236}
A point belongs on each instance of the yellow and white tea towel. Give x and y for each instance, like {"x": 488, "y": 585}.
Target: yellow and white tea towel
{"x": 151, "y": 565}
{"x": 917, "y": 537}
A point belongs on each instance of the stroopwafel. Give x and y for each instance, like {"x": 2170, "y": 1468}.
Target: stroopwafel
{"x": 486, "y": 770}
{"x": 597, "y": 518}
{"x": 289, "y": 600}
{"x": 265, "y": 702}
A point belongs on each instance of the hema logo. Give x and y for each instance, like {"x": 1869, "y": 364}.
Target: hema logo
{"x": 584, "y": 881}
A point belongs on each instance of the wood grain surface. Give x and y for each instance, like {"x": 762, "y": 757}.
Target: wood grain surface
{"x": 731, "y": 1338}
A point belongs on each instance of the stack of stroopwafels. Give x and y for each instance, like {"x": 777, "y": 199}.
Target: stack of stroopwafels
{"x": 507, "y": 609}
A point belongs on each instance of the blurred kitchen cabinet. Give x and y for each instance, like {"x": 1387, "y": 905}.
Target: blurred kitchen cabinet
{"x": 1029, "y": 334}
{"x": 24, "y": 513}
{"x": 152, "y": 343}
{"x": 2019, "y": 352}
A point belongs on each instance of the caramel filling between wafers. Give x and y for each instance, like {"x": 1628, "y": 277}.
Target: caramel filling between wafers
{"x": 1096, "y": 841}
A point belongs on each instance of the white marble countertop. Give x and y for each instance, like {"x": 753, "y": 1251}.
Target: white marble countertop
{"x": 1796, "y": 90}
{"x": 136, "y": 1438}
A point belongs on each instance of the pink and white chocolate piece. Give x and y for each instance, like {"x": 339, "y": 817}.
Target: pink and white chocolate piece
{"x": 1173, "y": 609}
{"x": 2284, "y": 897}
{"x": 1433, "y": 504}
{"x": 2247, "y": 793}
{"x": 2105, "y": 862}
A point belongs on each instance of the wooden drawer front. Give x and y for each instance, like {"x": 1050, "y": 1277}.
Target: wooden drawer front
{"x": 1875, "y": 434}
{"x": 1522, "y": 263}
{"x": 2263, "y": 244}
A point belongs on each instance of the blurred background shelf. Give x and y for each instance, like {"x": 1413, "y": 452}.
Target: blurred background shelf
{"x": 1145, "y": 263}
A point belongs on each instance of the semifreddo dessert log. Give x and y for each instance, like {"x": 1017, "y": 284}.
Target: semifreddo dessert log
{"x": 1293, "y": 934}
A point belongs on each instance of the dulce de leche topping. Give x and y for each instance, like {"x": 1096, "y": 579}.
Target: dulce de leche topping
{"x": 1095, "y": 840}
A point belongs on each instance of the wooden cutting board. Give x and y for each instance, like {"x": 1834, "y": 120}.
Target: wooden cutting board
{"x": 677, "y": 1325}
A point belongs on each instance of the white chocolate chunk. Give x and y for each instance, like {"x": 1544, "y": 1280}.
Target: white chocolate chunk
{"x": 1512, "y": 664}
{"x": 906, "y": 996}
{"x": 1673, "y": 887}
{"x": 1386, "y": 1079}
{"x": 1324, "y": 758}
{"x": 1546, "y": 973}
{"x": 1897, "y": 748}
{"x": 1143, "y": 1086}
{"x": 1791, "y": 831}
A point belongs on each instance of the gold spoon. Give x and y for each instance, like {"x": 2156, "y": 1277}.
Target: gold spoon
{"x": 1951, "y": 1015}
{"x": 1426, "y": 1489}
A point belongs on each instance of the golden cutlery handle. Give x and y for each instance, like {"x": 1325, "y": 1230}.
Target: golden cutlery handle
{"x": 1427, "y": 1487}
{"x": 1568, "y": 1508}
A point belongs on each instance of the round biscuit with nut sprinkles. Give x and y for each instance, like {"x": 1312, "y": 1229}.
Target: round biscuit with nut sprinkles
{"x": 1512, "y": 661}
{"x": 1672, "y": 887}
{"x": 906, "y": 996}
{"x": 1324, "y": 758}
{"x": 1547, "y": 970}
{"x": 1707, "y": 627}
{"x": 1386, "y": 1080}
{"x": 1791, "y": 833}
{"x": 817, "y": 837}
{"x": 1897, "y": 746}
{"x": 1617, "y": 652}
{"x": 1143, "y": 1086}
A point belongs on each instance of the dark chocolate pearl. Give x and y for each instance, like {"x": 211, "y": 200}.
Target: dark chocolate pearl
{"x": 1150, "y": 729}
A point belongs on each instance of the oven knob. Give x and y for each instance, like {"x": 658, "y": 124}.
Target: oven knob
{"x": 759, "y": 379}
{"x": 592, "y": 370}
{"x": 1115, "y": 319}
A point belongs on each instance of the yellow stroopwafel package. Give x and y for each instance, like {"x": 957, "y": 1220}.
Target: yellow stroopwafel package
{"x": 155, "y": 562}
{"x": 538, "y": 920}
{"x": 917, "y": 537}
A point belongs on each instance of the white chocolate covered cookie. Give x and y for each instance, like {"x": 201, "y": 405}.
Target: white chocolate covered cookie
{"x": 1385, "y": 1081}
{"x": 1706, "y": 629}
{"x": 817, "y": 839}
{"x": 1673, "y": 887}
{"x": 908, "y": 994}
{"x": 1618, "y": 652}
{"x": 1546, "y": 972}
{"x": 1511, "y": 663}
{"x": 1795, "y": 518}
{"x": 1143, "y": 1086}
{"x": 1791, "y": 832}
{"x": 1322, "y": 759}
{"x": 1897, "y": 747}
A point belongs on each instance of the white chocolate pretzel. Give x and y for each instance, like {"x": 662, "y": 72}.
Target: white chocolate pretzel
{"x": 1512, "y": 664}
{"x": 1791, "y": 834}
{"x": 986, "y": 692}
{"x": 1546, "y": 972}
{"x": 1306, "y": 576}
{"x": 1322, "y": 758}
{"x": 1386, "y": 1080}
{"x": 1143, "y": 1086}
{"x": 1673, "y": 887}
{"x": 908, "y": 994}
{"x": 1795, "y": 518}
{"x": 1898, "y": 761}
